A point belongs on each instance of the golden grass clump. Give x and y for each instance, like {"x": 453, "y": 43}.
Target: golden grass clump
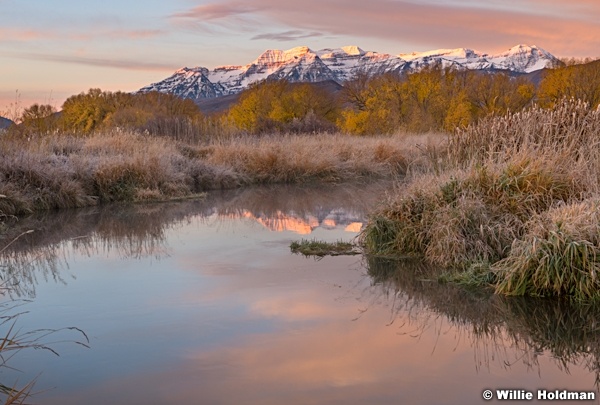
{"x": 468, "y": 215}
{"x": 558, "y": 256}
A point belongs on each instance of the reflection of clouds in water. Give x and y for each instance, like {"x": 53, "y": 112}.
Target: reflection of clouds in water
{"x": 290, "y": 308}
{"x": 316, "y": 354}
{"x": 313, "y": 352}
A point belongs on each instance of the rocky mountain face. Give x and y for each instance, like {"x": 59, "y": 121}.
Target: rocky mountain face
{"x": 302, "y": 64}
{"x": 5, "y": 123}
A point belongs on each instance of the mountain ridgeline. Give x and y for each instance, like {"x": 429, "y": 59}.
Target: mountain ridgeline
{"x": 304, "y": 65}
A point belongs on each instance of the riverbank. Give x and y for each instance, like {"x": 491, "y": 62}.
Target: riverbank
{"x": 65, "y": 170}
{"x": 516, "y": 207}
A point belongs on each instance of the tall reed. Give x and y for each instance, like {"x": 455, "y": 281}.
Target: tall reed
{"x": 503, "y": 178}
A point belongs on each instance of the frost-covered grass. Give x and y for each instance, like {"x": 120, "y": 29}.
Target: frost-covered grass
{"x": 62, "y": 170}
{"x": 515, "y": 206}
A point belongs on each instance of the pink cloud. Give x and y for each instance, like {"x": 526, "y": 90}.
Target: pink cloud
{"x": 291, "y": 35}
{"x": 101, "y": 62}
{"x": 24, "y": 35}
{"x": 217, "y": 11}
{"x": 29, "y": 35}
{"x": 564, "y": 31}
{"x": 117, "y": 34}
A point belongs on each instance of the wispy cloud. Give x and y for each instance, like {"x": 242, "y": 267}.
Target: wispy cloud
{"x": 563, "y": 29}
{"x": 216, "y": 11}
{"x": 100, "y": 62}
{"x": 290, "y": 35}
{"x": 117, "y": 34}
{"x": 30, "y": 35}
{"x": 23, "y": 35}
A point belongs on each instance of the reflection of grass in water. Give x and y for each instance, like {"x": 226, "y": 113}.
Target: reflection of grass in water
{"x": 320, "y": 248}
{"x": 19, "y": 269}
{"x": 568, "y": 331}
{"x": 14, "y": 340}
{"x": 131, "y": 233}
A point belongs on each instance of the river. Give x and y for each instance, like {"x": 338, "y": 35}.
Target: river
{"x": 201, "y": 301}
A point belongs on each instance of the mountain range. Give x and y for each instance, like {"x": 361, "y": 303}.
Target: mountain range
{"x": 302, "y": 64}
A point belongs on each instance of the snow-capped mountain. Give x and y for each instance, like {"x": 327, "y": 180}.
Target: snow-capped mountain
{"x": 519, "y": 59}
{"x": 302, "y": 64}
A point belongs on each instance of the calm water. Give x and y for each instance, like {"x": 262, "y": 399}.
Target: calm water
{"x": 202, "y": 302}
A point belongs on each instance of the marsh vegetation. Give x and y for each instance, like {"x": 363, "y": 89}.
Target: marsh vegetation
{"x": 516, "y": 205}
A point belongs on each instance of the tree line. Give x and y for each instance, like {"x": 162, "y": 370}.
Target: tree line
{"x": 100, "y": 110}
{"x": 432, "y": 99}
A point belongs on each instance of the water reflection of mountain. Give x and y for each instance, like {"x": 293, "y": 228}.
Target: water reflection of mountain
{"x": 135, "y": 231}
{"x": 305, "y": 224}
{"x": 302, "y": 210}
{"x": 498, "y": 327}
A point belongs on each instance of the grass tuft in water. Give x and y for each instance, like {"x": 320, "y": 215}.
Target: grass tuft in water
{"x": 320, "y": 248}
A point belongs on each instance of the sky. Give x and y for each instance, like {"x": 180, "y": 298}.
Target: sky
{"x": 50, "y": 50}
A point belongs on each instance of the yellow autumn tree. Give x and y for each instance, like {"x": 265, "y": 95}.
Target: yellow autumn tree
{"x": 376, "y": 105}
{"x": 577, "y": 79}
{"x": 154, "y": 111}
{"x": 280, "y": 106}
{"x": 38, "y": 118}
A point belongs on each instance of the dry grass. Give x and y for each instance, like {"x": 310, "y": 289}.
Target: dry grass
{"x": 59, "y": 171}
{"x": 299, "y": 159}
{"x": 508, "y": 200}
{"x": 468, "y": 215}
{"x": 558, "y": 256}
{"x": 571, "y": 127}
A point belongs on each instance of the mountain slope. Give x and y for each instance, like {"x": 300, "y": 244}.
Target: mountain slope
{"x": 302, "y": 64}
{"x": 5, "y": 123}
